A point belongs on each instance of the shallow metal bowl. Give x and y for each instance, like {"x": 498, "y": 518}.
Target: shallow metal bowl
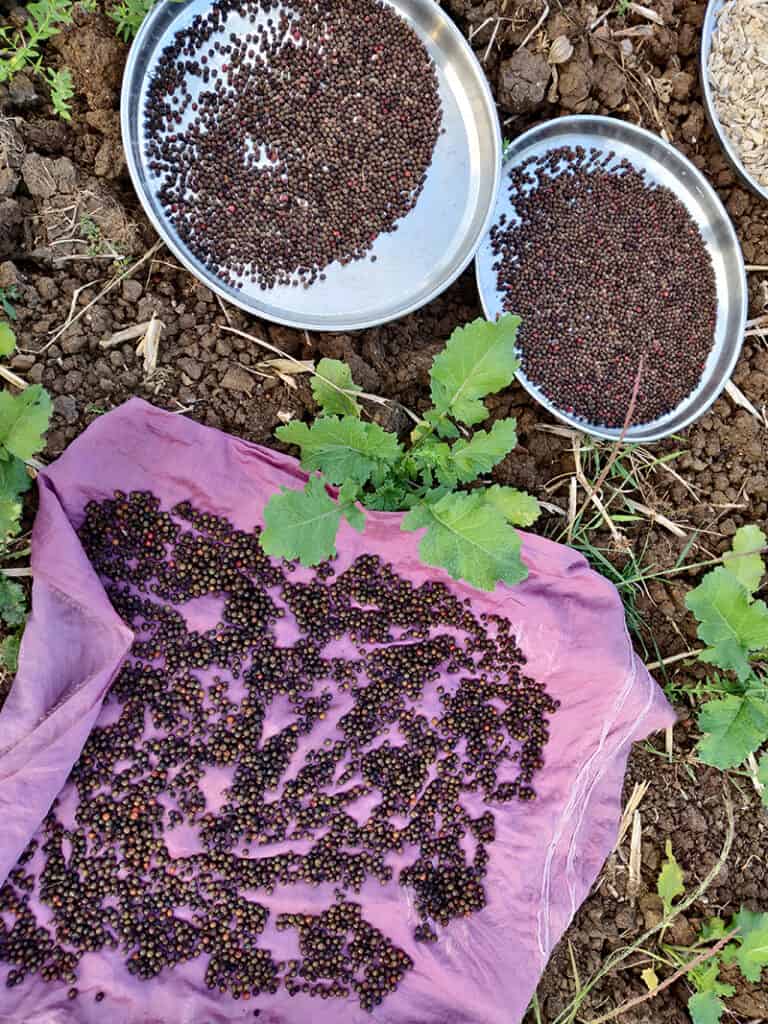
{"x": 707, "y": 32}
{"x": 666, "y": 166}
{"x": 433, "y": 243}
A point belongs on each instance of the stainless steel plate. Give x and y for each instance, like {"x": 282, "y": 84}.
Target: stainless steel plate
{"x": 664, "y": 165}
{"x": 707, "y": 32}
{"x": 432, "y": 245}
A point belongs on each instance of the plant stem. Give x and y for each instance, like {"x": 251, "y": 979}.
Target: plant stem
{"x": 690, "y": 567}
{"x": 700, "y": 959}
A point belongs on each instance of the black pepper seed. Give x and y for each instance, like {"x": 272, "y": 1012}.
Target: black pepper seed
{"x": 605, "y": 268}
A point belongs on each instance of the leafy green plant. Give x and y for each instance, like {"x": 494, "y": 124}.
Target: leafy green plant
{"x": 24, "y": 418}
{"x": 20, "y": 49}
{"x": 743, "y": 941}
{"x": 62, "y": 91}
{"x": 622, "y": 7}
{"x": 128, "y": 16}
{"x": 470, "y": 533}
{"x": 733, "y": 625}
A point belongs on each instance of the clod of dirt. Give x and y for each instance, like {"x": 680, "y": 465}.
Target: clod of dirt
{"x": 9, "y": 275}
{"x": 574, "y": 86}
{"x": 522, "y": 82}
{"x": 610, "y": 83}
{"x": 22, "y": 94}
{"x": 95, "y": 57}
{"x": 45, "y": 177}
{"x": 11, "y": 220}
{"x": 236, "y": 379}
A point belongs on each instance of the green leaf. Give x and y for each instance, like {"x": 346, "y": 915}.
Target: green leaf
{"x": 517, "y": 507}
{"x": 762, "y": 777}
{"x": 343, "y": 449}
{"x": 13, "y": 602}
{"x": 10, "y": 514}
{"x": 707, "y": 979}
{"x": 431, "y": 458}
{"x": 478, "y": 360}
{"x": 391, "y": 495}
{"x": 670, "y": 883}
{"x": 14, "y": 479}
{"x": 713, "y": 930}
{"x": 7, "y": 340}
{"x": 469, "y": 539}
{"x": 347, "y": 497}
{"x": 301, "y": 524}
{"x": 705, "y": 1008}
{"x": 748, "y": 569}
{"x": 750, "y": 950}
{"x": 24, "y": 419}
{"x": 730, "y": 622}
{"x": 62, "y": 91}
{"x": 331, "y": 400}
{"x": 9, "y": 652}
{"x": 484, "y": 450}
{"x": 733, "y": 727}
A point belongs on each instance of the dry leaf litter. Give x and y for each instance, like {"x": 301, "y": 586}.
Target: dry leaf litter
{"x": 738, "y": 74}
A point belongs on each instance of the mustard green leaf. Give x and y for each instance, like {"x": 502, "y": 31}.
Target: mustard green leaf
{"x": 484, "y": 450}
{"x": 747, "y": 568}
{"x": 706, "y": 1008}
{"x": 329, "y": 398}
{"x": 343, "y": 448}
{"x": 468, "y": 538}
{"x": 734, "y": 727}
{"x": 730, "y": 622}
{"x": 301, "y": 524}
{"x": 670, "y": 882}
{"x": 24, "y": 419}
{"x": 478, "y": 360}
{"x": 517, "y": 507}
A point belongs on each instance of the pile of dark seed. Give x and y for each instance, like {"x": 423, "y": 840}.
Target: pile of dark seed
{"x": 606, "y": 269}
{"x": 102, "y": 876}
{"x": 311, "y": 134}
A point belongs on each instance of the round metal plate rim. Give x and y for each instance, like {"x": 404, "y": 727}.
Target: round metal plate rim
{"x": 656, "y": 430}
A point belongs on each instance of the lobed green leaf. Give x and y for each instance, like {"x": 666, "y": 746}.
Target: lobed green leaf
{"x": 329, "y": 398}
{"x": 478, "y": 360}
{"x": 24, "y": 419}
{"x": 730, "y": 622}
{"x": 344, "y": 448}
{"x": 484, "y": 450}
{"x": 747, "y": 568}
{"x": 468, "y": 538}
{"x": 750, "y": 950}
{"x": 301, "y": 524}
{"x": 670, "y": 882}
{"x": 706, "y": 1008}
{"x": 7, "y": 339}
{"x": 734, "y": 727}
{"x": 13, "y": 603}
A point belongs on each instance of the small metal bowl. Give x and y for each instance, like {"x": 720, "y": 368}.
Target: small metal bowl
{"x": 433, "y": 244}
{"x": 707, "y": 32}
{"x": 664, "y": 165}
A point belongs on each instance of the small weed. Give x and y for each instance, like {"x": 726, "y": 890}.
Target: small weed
{"x": 506, "y": 145}
{"x": 20, "y": 49}
{"x": 622, "y": 7}
{"x": 128, "y": 16}
{"x": 7, "y": 298}
{"x": 92, "y": 409}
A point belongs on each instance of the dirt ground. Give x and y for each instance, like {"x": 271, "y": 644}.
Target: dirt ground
{"x": 67, "y": 213}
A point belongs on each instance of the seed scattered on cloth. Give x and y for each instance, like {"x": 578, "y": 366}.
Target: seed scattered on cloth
{"x": 295, "y": 141}
{"x": 738, "y": 75}
{"x": 604, "y": 267}
{"x": 330, "y": 775}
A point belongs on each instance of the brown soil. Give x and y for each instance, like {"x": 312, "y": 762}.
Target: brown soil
{"x": 52, "y": 175}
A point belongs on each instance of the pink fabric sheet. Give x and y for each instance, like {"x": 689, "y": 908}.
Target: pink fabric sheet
{"x": 568, "y": 620}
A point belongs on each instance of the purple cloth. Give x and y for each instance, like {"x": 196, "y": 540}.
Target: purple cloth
{"x": 568, "y": 620}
